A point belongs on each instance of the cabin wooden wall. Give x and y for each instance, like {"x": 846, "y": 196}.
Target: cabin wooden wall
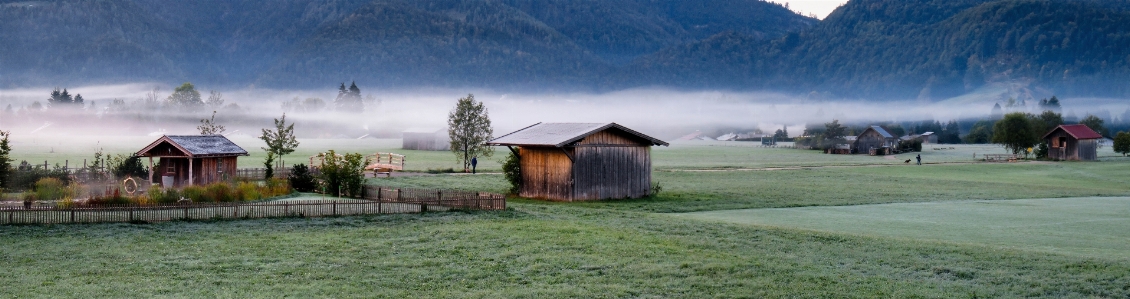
{"x": 605, "y": 172}
{"x": 204, "y": 170}
{"x": 869, "y": 140}
{"x": 546, "y": 173}
{"x": 1066, "y": 151}
{"x": 611, "y": 164}
{"x": 1087, "y": 150}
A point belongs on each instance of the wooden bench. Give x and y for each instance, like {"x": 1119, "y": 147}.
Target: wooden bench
{"x": 385, "y": 163}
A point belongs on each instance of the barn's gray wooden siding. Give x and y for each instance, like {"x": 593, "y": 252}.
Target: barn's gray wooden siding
{"x": 604, "y": 165}
{"x": 611, "y": 166}
{"x": 1063, "y": 146}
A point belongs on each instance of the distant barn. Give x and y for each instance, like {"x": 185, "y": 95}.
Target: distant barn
{"x": 875, "y": 140}
{"x": 582, "y": 161}
{"x": 426, "y": 139}
{"x": 1073, "y": 142}
{"x": 192, "y": 159}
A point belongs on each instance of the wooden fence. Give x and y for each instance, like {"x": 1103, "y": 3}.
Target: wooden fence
{"x": 384, "y": 201}
{"x": 449, "y": 198}
{"x": 257, "y": 174}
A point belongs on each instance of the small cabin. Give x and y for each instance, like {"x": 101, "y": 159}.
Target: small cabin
{"x": 186, "y": 160}
{"x": 426, "y": 139}
{"x": 875, "y": 140}
{"x": 581, "y": 161}
{"x": 1073, "y": 142}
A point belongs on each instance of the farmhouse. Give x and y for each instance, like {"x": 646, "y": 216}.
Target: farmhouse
{"x": 426, "y": 139}
{"x": 1072, "y": 142}
{"x": 875, "y": 141}
{"x": 581, "y": 161}
{"x": 192, "y": 159}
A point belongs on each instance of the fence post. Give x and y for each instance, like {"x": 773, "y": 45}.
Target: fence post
{"x": 379, "y": 193}
{"x": 286, "y": 209}
{"x": 335, "y": 208}
{"x": 131, "y": 214}
{"x": 72, "y": 215}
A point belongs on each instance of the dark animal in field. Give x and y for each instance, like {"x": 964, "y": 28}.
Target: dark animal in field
{"x": 907, "y": 161}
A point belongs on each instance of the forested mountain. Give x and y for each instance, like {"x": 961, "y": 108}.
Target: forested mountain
{"x": 290, "y": 43}
{"x": 928, "y": 49}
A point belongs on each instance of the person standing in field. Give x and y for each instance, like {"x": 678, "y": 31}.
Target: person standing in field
{"x": 919, "y": 157}
{"x": 474, "y": 163}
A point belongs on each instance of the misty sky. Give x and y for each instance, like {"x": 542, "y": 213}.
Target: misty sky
{"x": 819, "y": 7}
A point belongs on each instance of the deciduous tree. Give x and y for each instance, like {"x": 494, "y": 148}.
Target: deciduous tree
{"x": 208, "y": 126}
{"x": 469, "y": 127}
{"x": 1015, "y": 133}
{"x": 1122, "y": 143}
{"x": 281, "y": 140}
{"x": 185, "y": 95}
{"x": 1095, "y": 123}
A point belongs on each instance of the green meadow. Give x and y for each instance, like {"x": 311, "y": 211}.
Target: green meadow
{"x": 732, "y": 221}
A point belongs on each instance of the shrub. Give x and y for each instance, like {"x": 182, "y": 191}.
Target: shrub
{"x": 52, "y": 189}
{"x": 122, "y": 166}
{"x": 302, "y": 180}
{"x": 163, "y": 196}
{"x": 220, "y": 192}
{"x": 342, "y": 175}
{"x": 249, "y": 191}
{"x": 512, "y": 170}
{"x": 276, "y": 187}
{"x": 195, "y": 193}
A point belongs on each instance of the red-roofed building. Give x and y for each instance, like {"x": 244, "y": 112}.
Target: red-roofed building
{"x": 1072, "y": 142}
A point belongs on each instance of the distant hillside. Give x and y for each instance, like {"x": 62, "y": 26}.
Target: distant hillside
{"x": 927, "y": 49}
{"x": 291, "y": 43}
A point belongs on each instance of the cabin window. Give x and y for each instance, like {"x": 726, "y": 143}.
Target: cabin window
{"x": 170, "y": 169}
{"x": 1062, "y": 142}
{"x": 220, "y": 163}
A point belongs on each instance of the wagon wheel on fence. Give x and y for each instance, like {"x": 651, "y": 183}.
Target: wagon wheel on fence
{"x": 129, "y": 185}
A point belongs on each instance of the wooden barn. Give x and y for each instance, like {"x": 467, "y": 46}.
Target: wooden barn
{"x": 582, "y": 161}
{"x": 1073, "y": 142}
{"x": 875, "y": 141}
{"x": 191, "y": 159}
{"x": 426, "y": 139}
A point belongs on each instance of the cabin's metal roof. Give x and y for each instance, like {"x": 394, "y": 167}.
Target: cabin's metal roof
{"x": 562, "y": 134}
{"x": 881, "y": 131}
{"x": 1079, "y": 131}
{"x": 199, "y": 145}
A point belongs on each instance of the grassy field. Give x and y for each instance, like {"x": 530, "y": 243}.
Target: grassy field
{"x": 621, "y": 248}
{"x": 688, "y": 191}
{"x": 1091, "y": 227}
{"x": 533, "y": 251}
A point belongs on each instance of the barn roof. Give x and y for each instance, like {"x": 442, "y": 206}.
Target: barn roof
{"x": 561, "y": 134}
{"x": 1079, "y": 131}
{"x": 197, "y": 146}
{"x": 879, "y": 130}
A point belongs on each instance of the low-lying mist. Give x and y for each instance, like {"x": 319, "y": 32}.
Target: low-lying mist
{"x": 664, "y": 113}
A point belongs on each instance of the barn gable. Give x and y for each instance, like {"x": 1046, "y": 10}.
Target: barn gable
{"x": 563, "y": 134}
